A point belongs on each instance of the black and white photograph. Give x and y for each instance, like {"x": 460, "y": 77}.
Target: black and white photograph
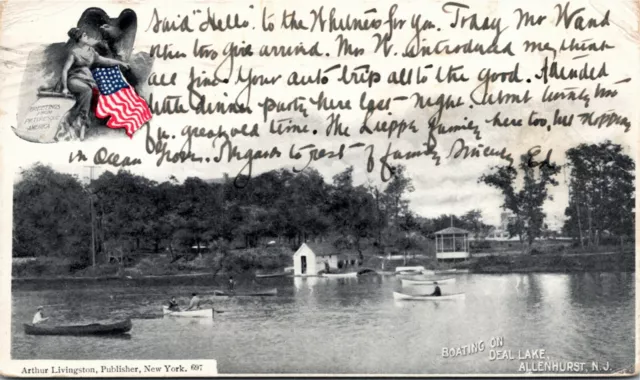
{"x": 410, "y": 188}
{"x": 315, "y": 267}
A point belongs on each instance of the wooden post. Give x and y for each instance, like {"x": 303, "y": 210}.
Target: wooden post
{"x": 93, "y": 224}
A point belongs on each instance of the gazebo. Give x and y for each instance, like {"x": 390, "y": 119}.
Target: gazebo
{"x": 452, "y": 243}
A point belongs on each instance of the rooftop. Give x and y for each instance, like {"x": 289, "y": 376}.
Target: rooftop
{"x": 452, "y": 230}
{"x": 327, "y": 249}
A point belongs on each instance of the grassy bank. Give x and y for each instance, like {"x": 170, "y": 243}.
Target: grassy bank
{"x": 522, "y": 263}
{"x": 234, "y": 262}
{"x": 242, "y": 262}
{"x": 553, "y": 263}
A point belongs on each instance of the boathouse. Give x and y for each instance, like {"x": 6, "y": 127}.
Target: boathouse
{"x": 452, "y": 243}
{"x": 312, "y": 258}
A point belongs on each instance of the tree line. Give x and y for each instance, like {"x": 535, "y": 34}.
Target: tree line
{"x": 54, "y": 212}
{"x": 601, "y": 184}
{"x": 58, "y": 215}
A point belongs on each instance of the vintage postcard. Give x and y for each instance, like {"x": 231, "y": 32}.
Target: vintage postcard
{"x": 367, "y": 188}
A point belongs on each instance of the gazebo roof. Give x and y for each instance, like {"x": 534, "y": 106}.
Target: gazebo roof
{"x": 452, "y": 231}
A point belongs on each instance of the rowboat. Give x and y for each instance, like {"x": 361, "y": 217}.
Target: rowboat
{"x": 415, "y": 275}
{"x": 272, "y": 275}
{"x": 340, "y": 275}
{"x": 408, "y": 282}
{"x": 198, "y": 313}
{"x": 119, "y": 327}
{"x": 264, "y": 293}
{"x": 444, "y": 297}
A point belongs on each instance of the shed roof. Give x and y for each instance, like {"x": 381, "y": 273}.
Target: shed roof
{"x": 451, "y": 231}
{"x": 326, "y": 249}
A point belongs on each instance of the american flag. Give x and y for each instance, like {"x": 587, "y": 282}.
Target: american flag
{"x": 120, "y": 101}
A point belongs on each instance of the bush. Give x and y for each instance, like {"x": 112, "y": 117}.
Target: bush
{"x": 150, "y": 266}
{"x": 104, "y": 270}
{"x": 42, "y": 266}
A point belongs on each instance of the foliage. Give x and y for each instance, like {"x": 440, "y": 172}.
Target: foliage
{"x": 602, "y": 193}
{"x": 51, "y": 215}
{"x": 525, "y": 203}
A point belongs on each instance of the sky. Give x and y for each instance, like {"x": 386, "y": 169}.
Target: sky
{"x": 455, "y": 191}
{"x": 450, "y": 188}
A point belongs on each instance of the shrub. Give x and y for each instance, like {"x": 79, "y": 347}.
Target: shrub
{"x": 42, "y": 266}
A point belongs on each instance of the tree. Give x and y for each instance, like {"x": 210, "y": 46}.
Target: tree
{"x": 202, "y": 208}
{"x": 525, "y": 203}
{"x": 352, "y": 210}
{"x": 472, "y": 221}
{"x": 391, "y": 205}
{"x": 395, "y": 192}
{"x": 127, "y": 208}
{"x": 601, "y": 193}
{"x": 51, "y": 216}
{"x": 304, "y": 206}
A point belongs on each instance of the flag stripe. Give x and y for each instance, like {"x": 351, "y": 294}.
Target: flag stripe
{"x": 119, "y": 101}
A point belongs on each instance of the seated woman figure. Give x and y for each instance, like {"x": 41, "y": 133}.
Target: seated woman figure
{"x": 78, "y": 80}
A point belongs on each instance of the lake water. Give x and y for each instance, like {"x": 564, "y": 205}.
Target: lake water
{"x": 318, "y": 325}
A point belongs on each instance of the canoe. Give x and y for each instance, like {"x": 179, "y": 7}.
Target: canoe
{"x": 408, "y": 282}
{"x": 409, "y": 273}
{"x": 417, "y": 269}
{"x": 263, "y": 293}
{"x": 452, "y": 271}
{"x": 119, "y": 327}
{"x": 415, "y": 275}
{"x": 340, "y": 275}
{"x": 199, "y": 313}
{"x": 272, "y": 275}
{"x": 444, "y": 297}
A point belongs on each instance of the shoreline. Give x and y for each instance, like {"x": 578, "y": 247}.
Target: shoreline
{"x": 98, "y": 278}
{"x": 606, "y": 262}
{"x": 492, "y": 271}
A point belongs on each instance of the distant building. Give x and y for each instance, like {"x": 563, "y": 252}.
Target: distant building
{"x": 310, "y": 259}
{"x": 452, "y": 243}
{"x": 501, "y": 233}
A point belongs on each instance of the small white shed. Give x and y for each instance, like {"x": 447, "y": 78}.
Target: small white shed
{"x": 310, "y": 259}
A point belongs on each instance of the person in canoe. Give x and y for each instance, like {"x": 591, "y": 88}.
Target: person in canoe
{"x": 39, "y": 316}
{"x": 436, "y": 292}
{"x": 194, "y": 304}
{"x": 173, "y": 304}
{"x": 327, "y": 268}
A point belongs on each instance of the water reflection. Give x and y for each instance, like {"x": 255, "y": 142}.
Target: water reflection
{"x": 319, "y": 325}
{"x": 307, "y": 283}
